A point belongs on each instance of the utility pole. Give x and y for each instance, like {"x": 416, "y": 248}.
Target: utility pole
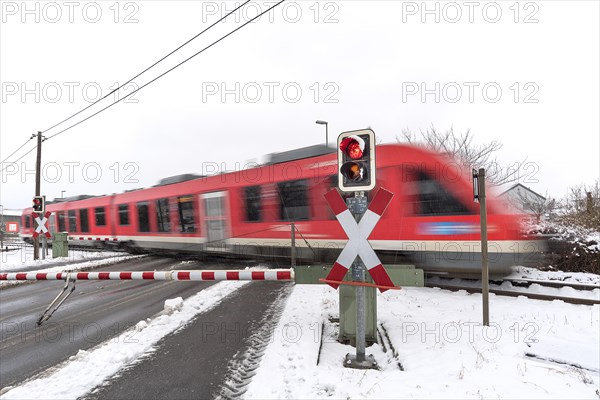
{"x": 38, "y": 166}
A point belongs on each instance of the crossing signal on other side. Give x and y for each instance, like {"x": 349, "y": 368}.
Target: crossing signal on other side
{"x": 39, "y": 205}
{"x": 356, "y": 160}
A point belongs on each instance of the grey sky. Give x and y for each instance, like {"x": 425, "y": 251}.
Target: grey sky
{"x": 356, "y": 63}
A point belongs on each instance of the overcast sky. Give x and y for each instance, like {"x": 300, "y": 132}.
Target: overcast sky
{"x": 523, "y": 73}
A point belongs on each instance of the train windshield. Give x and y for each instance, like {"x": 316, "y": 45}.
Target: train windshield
{"x": 429, "y": 197}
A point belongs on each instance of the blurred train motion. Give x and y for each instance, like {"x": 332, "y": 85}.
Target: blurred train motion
{"x": 432, "y": 221}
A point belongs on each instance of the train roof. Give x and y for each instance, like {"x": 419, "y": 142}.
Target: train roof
{"x": 299, "y": 154}
{"x": 308, "y": 159}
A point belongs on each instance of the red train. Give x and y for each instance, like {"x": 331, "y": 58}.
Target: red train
{"x": 432, "y": 221}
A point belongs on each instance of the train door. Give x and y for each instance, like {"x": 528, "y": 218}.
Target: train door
{"x": 52, "y": 223}
{"x": 216, "y": 220}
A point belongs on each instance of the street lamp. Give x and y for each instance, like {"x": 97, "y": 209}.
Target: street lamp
{"x": 326, "y": 131}
{"x": 62, "y": 194}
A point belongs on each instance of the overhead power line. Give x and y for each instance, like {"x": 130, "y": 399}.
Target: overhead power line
{"x": 120, "y": 86}
{"x": 169, "y": 70}
{"x": 151, "y": 66}
{"x": 12, "y": 162}
{"x": 11, "y": 154}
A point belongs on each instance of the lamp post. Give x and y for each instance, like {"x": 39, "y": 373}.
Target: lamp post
{"x": 326, "y": 130}
{"x": 62, "y": 194}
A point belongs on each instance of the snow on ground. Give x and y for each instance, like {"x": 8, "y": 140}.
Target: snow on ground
{"x": 88, "y": 369}
{"x": 536, "y": 274}
{"x": 532, "y": 349}
{"x": 534, "y": 288}
{"x": 442, "y": 346}
{"x": 22, "y": 259}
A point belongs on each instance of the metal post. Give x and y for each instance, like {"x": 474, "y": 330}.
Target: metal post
{"x": 485, "y": 276}
{"x": 360, "y": 361}
{"x": 358, "y": 274}
{"x": 44, "y": 248}
{"x": 293, "y": 250}
{"x": 326, "y": 134}
{"x": 1, "y": 227}
{"x": 38, "y": 162}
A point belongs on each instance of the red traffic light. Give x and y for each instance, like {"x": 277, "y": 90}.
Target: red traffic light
{"x": 356, "y": 160}
{"x": 353, "y": 146}
{"x": 38, "y": 205}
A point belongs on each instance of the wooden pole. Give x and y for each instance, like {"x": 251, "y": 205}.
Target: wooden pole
{"x": 38, "y": 166}
{"x": 485, "y": 274}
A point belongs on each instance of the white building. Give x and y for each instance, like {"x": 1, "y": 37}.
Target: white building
{"x": 519, "y": 199}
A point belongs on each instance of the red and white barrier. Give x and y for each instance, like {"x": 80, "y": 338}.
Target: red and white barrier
{"x": 105, "y": 239}
{"x": 219, "y": 275}
{"x": 358, "y": 233}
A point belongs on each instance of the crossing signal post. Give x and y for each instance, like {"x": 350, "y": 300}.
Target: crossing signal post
{"x": 356, "y": 160}
{"x": 356, "y": 173}
{"x": 39, "y": 208}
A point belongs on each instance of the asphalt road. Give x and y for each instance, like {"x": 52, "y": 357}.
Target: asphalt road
{"x": 95, "y": 312}
{"x": 194, "y": 362}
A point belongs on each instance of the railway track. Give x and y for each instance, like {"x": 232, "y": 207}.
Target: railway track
{"x": 472, "y": 286}
{"x": 524, "y": 282}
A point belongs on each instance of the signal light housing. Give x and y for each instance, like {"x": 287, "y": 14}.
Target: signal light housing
{"x": 39, "y": 204}
{"x": 356, "y": 160}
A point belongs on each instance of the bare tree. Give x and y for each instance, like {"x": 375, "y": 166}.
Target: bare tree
{"x": 463, "y": 149}
{"x": 582, "y": 205}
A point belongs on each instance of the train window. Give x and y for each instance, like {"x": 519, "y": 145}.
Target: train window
{"x": 143, "y": 216}
{"x": 185, "y": 205}
{"x": 84, "y": 220}
{"x": 162, "y": 215}
{"x": 433, "y": 199}
{"x": 72, "y": 221}
{"x": 27, "y": 221}
{"x": 100, "y": 213}
{"x": 123, "y": 214}
{"x": 253, "y": 203}
{"x": 294, "y": 200}
{"x": 61, "y": 222}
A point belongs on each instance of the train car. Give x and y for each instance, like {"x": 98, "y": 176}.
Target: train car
{"x": 431, "y": 222}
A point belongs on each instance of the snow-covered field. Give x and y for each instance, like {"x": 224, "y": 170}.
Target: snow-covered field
{"x": 442, "y": 346}
{"x": 532, "y": 349}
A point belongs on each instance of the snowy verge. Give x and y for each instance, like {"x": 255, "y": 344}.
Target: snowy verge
{"x": 88, "y": 369}
{"x": 442, "y": 346}
{"x": 81, "y": 266}
{"x": 571, "y": 277}
{"x": 22, "y": 259}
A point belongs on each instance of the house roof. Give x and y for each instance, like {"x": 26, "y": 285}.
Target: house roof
{"x": 513, "y": 187}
